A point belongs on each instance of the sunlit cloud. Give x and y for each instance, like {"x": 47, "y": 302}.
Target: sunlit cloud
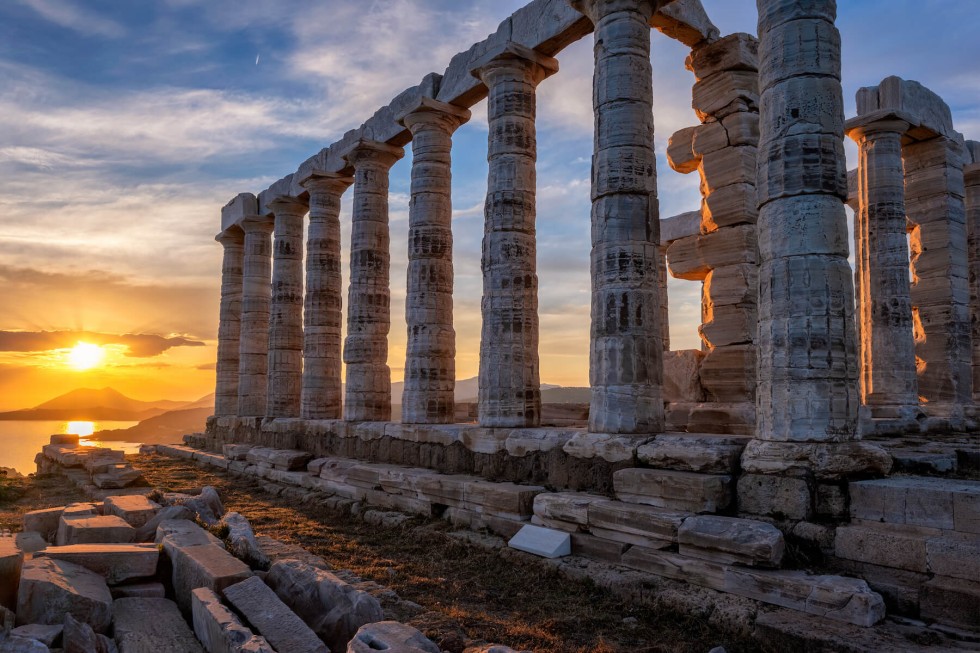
{"x": 139, "y": 345}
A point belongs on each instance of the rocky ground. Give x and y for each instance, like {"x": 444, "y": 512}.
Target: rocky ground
{"x": 467, "y": 592}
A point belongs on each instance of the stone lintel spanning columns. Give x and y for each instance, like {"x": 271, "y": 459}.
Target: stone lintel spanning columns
{"x": 510, "y": 389}
{"x": 626, "y": 352}
{"x": 885, "y": 325}
{"x": 253, "y": 351}
{"x": 286, "y": 309}
{"x": 322, "y": 394}
{"x": 430, "y": 362}
{"x": 368, "y": 390}
{"x": 971, "y": 175}
{"x": 232, "y": 240}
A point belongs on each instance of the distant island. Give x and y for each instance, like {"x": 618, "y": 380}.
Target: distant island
{"x": 85, "y": 404}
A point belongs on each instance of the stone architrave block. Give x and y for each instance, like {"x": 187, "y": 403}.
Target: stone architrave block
{"x": 94, "y": 529}
{"x": 50, "y": 589}
{"x": 544, "y": 542}
{"x": 731, "y": 540}
{"x": 692, "y": 258}
{"x": 636, "y": 519}
{"x": 680, "y": 150}
{"x": 674, "y": 490}
{"x": 241, "y": 205}
{"x": 333, "y": 608}
{"x": 390, "y": 636}
{"x": 738, "y": 51}
{"x": 705, "y": 454}
{"x": 115, "y": 562}
{"x": 682, "y": 379}
{"x": 219, "y": 629}
{"x": 572, "y": 507}
{"x": 779, "y": 497}
{"x": 685, "y": 21}
{"x": 134, "y": 509}
{"x": 43, "y": 521}
{"x": 203, "y": 565}
{"x": 279, "y": 625}
{"x": 151, "y": 625}
{"x": 724, "y": 93}
{"x": 914, "y": 98}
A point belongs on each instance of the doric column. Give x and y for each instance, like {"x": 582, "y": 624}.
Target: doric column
{"x": 510, "y": 392}
{"x": 253, "y": 351}
{"x": 322, "y": 395}
{"x": 886, "y": 340}
{"x": 808, "y": 366}
{"x": 430, "y": 361}
{"x": 972, "y": 178}
{"x": 232, "y": 240}
{"x": 368, "y": 392}
{"x": 626, "y": 352}
{"x": 286, "y": 309}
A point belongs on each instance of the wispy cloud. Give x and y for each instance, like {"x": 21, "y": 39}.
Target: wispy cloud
{"x": 137, "y": 345}
{"x": 69, "y": 15}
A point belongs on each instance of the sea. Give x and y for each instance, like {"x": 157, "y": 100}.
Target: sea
{"x": 21, "y": 441}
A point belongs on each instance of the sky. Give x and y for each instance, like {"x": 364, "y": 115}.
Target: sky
{"x": 124, "y": 127}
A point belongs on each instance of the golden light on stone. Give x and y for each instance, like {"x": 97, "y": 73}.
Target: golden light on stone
{"x": 84, "y": 356}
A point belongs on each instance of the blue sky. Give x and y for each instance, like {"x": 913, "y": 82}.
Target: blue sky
{"x": 125, "y": 126}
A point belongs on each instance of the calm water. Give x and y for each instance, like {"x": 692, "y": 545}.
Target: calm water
{"x": 21, "y": 441}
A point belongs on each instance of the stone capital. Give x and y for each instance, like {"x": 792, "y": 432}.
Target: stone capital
{"x": 881, "y": 120}
{"x": 596, "y": 10}
{"x": 288, "y": 205}
{"x": 515, "y": 55}
{"x": 257, "y": 224}
{"x": 434, "y": 112}
{"x": 233, "y": 235}
{"x": 878, "y": 129}
{"x": 367, "y": 151}
{"x": 327, "y": 182}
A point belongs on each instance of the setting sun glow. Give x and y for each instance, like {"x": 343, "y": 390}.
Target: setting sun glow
{"x": 85, "y": 356}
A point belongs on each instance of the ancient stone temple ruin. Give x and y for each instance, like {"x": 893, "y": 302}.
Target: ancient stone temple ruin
{"x": 819, "y": 389}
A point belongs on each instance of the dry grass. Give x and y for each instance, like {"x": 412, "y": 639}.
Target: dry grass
{"x": 20, "y": 495}
{"x": 469, "y": 593}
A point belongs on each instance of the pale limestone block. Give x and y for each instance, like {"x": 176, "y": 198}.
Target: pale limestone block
{"x": 50, "y": 589}
{"x": 572, "y": 507}
{"x": 219, "y": 629}
{"x": 724, "y": 93}
{"x": 43, "y": 521}
{"x": 726, "y": 166}
{"x": 232, "y": 213}
{"x": 46, "y": 634}
{"x": 801, "y": 47}
{"x": 951, "y": 601}
{"x": 390, "y": 635}
{"x": 675, "y": 490}
{"x": 791, "y": 227}
{"x": 279, "y": 625}
{"x": 912, "y": 97}
{"x": 134, "y": 509}
{"x": 115, "y": 562}
{"x": 680, "y": 226}
{"x": 733, "y": 52}
{"x": 827, "y": 461}
{"x": 729, "y": 205}
{"x": 609, "y": 447}
{"x": 705, "y": 454}
{"x": 802, "y": 164}
{"x": 731, "y": 540}
{"x": 633, "y": 519}
{"x": 948, "y": 557}
{"x": 694, "y": 257}
{"x": 727, "y": 324}
{"x": 709, "y": 137}
{"x": 202, "y": 565}
{"x": 93, "y": 529}
{"x": 151, "y": 625}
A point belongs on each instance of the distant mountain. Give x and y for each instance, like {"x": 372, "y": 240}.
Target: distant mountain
{"x": 89, "y": 404}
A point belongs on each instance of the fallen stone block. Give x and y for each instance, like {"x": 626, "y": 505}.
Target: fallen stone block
{"x": 675, "y": 490}
{"x": 151, "y": 626}
{"x": 115, "y": 562}
{"x": 148, "y": 531}
{"x": 543, "y": 542}
{"x": 202, "y": 565}
{"x": 151, "y": 590}
{"x": 572, "y": 507}
{"x": 50, "y": 589}
{"x": 78, "y": 637}
{"x": 98, "y": 459}
{"x": 502, "y": 499}
{"x": 642, "y": 520}
{"x": 19, "y": 644}
{"x": 492, "y": 648}
{"x": 178, "y": 533}
{"x": 333, "y": 608}
{"x": 44, "y": 522}
{"x": 391, "y": 636}
{"x": 705, "y": 454}
{"x": 951, "y": 601}
{"x": 11, "y": 563}
{"x": 242, "y": 541}
{"x": 731, "y": 540}
{"x": 47, "y": 634}
{"x": 280, "y": 626}
{"x": 94, "y": 529}
{"x": 597, "y": 548}
{"x": 134, "y": 509}
{"x": 219, "y": 630}
{"x": 283, "y": 459}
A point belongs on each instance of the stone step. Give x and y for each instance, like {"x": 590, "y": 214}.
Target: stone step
{"x": 93, "y": 529}
{"x": 689, "y": 452}
{"x": 688, "y": 491}
{"x": 114, "y": 562}
{"x": 134, "y": 509}
{"x": 919, "y": 501}
{"x": 279, "y": 625}
{"x": 731, "y": 540}
{"x": 282, "y": 459}
{"x": 926, "y": 551}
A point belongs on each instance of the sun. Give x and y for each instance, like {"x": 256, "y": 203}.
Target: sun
{"x": 85, "y": 356}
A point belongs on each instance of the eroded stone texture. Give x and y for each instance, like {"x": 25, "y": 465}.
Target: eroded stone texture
{"x": 253, "y": 351}
{"x": 626, "y": 350}
{"x": 887, "y": 347}
{"x": 430, "y": 362}
{"x": 285, "y": 377}
{"x": 390, "y": 636}
{"x": 322, "y": 395}
{"x": 272, "y": 618}
{"x": 219, "y": 629}
{"x": 50, "y": 589}
{"x": 510, "y": 393}
{"x": 368, "y": 390}
{"x": 807, "y": 374}
{"x": 971, "y": 174}
{"x": 229, "y": 321}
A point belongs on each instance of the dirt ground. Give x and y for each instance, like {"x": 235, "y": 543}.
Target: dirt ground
{"x": 468, "y": 593}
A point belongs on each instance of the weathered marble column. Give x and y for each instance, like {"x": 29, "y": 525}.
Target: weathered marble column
{"x": 510, "y": 392}
{"x": 972, "y": 177}
{"x": 626, "y": 353}
{"x": 286, "y": 310}
{"x": 322, "y": 395}
{"x": 232, "y": 240}
{"x": 808, "y": 365}
{"x": 430, "y": 361}
{"x": 253, "y": 351}
{"x": 368, "y": 390}
{"x": 886, "y": 340}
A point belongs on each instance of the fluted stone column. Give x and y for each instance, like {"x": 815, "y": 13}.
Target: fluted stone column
{"x": 322, "y": 395}
{"x": 510, "y": 392}
{"x": 232, "y": 240}
{"x": 430, "y": 361}
{"x": 887, "y": 344}
{"x": 808, "y": 366}
{"x": 626, "y": 354}
{"x": 253, "y": 351}
{"x": 286, "y": 310}
{"x": 368, "y": 391}
{"x": 972, "y": 178}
